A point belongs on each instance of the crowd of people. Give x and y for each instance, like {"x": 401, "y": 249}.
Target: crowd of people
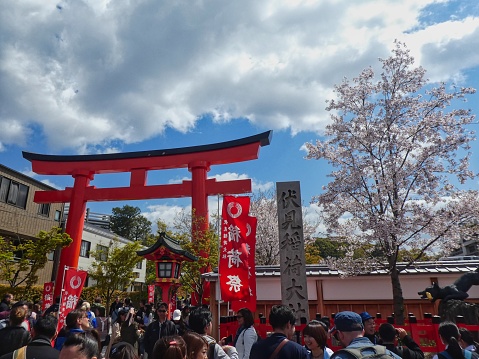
{"x": 149, "y": 332}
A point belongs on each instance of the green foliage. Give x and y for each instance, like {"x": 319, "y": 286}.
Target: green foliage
{"x": 29, "y": 294}
{"x": 128, "y": 223}
{"x": 116, "y": 273}
{"x": 322, "y": 248}
{"x": 21, "y": 259}
{"x": 204, "y": 247}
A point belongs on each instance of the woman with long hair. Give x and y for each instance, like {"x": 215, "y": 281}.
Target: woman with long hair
{"x": 246, "y": 335}
{"x": 196, "y": 346}
{"x": 449, "y": 334}
{"x": 315, "y": 338}
{"x": 467, "y": 340}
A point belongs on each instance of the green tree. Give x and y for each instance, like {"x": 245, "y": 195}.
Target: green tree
{"x": 129, "y": 223}
{"x": 205, "y": 248}
{"x": 399, "y": 149}
{"x": 20, "y": 259}
{"x": 113, "y": 270}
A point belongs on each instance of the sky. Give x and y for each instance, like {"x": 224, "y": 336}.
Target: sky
{"x": 99, "y": 76}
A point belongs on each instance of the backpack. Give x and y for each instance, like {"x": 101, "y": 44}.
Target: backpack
{"x": 380, "y": 352}
{"x": 467, "y": 354}
{"x": 211, "y": 350}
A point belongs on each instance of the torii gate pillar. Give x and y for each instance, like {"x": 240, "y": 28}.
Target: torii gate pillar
{"x": 198, "y": 160}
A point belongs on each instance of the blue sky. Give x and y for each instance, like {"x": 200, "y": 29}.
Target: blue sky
{"x": 92, "y": 76}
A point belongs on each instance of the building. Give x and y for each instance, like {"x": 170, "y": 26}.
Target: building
{"x": 329, "y": 292}
{"x": 96, "y": 238}
{"x": 20, "y": 217}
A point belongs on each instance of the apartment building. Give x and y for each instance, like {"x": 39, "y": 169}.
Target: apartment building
{"x": 20, "y": 217}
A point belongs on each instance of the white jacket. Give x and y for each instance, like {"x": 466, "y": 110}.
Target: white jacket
{"x": 245, "y": 341}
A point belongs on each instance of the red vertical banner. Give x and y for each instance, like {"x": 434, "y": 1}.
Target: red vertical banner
{"x": 233, "y": 262}
{"x": 73, "y": 283}
{"x": 151, "y": 293}
{"x": 47, "y": 297}
{"x": 251, "y": 247}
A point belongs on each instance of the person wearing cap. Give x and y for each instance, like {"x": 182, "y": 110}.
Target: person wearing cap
{"x": 369, "y": 327}
{"x": 181, "y": 327}
{"x": 278, "y": 345}
{"x": 349, "y": 331}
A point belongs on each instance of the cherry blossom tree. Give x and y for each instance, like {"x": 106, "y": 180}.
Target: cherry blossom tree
{"x": 264, "y": 207}
{"x": 400, "y": 151}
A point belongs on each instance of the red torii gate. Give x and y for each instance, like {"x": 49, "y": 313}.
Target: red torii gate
{"x": 197, "y": 159}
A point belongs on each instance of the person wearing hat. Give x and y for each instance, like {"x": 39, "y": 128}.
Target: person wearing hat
{"x": 349, "y": 331}
{"x": 181, "y": 327}
{"x": 369, "y": 327}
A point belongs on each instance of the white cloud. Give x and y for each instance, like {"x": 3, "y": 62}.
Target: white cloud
{"x": 89, "y": 73}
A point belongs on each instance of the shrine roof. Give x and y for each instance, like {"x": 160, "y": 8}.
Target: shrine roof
{"x": 170, "y": 243}
{"x": 322, "y": 270}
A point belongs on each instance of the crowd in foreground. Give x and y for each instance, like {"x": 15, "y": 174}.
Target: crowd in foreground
{"x": 126, "y": 332}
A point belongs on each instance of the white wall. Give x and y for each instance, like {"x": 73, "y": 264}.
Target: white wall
{"x": 96, "y": 237}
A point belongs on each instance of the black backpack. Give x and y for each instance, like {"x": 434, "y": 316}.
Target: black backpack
{"x": 380, "y": 352}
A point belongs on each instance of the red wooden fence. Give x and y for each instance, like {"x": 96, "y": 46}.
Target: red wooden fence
{"x": 424, "y": 331}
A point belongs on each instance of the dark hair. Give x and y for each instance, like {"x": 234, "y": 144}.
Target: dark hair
{"x": 248, "y": 318}
{"x": 88, "y": 345}
{"x": 199, "y": 318}
{"x": 449, "y": 333}
{"x": 162, "y": 304}
{"x": 280, "y": 316}
{"x": 194, "y": 344}
{"x": 127, "y": 302}
{"x": 73, "y": 316}
{"x": 7, "y": 296}
{"x": 46, "y": 326}
{"x": 171, "y": 347}
{"x": 387, "y": 332}
{"x": 123, "y": 350}
{"x": 316, "y": 330}
{"x": 17, "y": 316}
{"x": 467, "y": 337}
{"x": 20, "y": 303}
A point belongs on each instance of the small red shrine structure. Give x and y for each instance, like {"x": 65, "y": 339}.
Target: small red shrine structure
{"x": 198, "y": 160}
{"x": 168, "y": 257}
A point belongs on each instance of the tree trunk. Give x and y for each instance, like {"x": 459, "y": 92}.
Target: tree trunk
{"x": 398, "y": 299}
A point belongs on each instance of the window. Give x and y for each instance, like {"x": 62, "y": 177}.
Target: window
{"x": 102, "y": 252}
{"x": 58, "y": 215}
{"x": 44, "y": 209}
{"x": 85, "y": 249}
{"x": 13, "y": 192}
{"x": 164, "y": 270}
{"x": 138, "y": 265}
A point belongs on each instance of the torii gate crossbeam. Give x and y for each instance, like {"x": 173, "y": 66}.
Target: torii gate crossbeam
{"x": 198, "y": 160}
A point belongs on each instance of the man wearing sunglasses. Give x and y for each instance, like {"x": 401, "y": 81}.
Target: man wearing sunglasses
{"x": 349, "y": 331}
{"x": 160, "y": 328}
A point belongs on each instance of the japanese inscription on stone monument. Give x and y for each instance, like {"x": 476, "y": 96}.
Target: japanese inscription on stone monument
{"x": 294, "y": 291}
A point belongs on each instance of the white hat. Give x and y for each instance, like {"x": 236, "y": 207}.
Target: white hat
{"x": 176, "y": 314}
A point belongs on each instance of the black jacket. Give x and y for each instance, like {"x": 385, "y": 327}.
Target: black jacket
{"x": 12, "y": 338}
{"x": 40, "y": 347}
{"x": 411, "y": 350}
{"x": 152, "y": 334}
